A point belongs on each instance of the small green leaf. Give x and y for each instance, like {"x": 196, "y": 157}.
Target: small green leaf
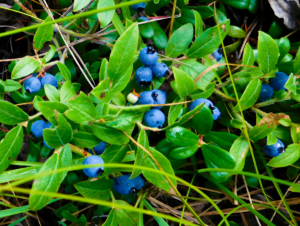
{"x": 48, "y": 108}
{"x": 239, "y": 4}
{"x": 11, "y": 85}
{"x": 43, "y": 34}
{"x": 60, "y": 135}
{"x": 203, "y": 121}
{"x": 175, "y": 110}
{"x": 67, "y": 92}
{"x": 184, "y": 152}
{"x": 291, "y": 155}
{"x": 25, "y": 67}
{"x": 284, "y": 47}
{"x": 239, "y": 152}
{"x": 81, "y": 109}
{"x": 52, "y": 93}
{"x": 111, "y": 219}
{"x": 17, "y": 221}
{"x": 297, "y": 63}
{"x": 182, "y": 137}
{"x": 106, "y": 16}
{"x": 198, "y": 24}
{"x": 85, "y": 140}
{"x": 103, "y": 69}
{"x": 267, "y": 52}
{"x": 126, "y": 217}
{"x": 80, "y": 4}
{"x": 291, "y": 84}
{"x": 10, "y": 147}
{"x": 11, "y": 114}
{"x": 222, "y": 139}
{"x": 248, "y": 58}
{"x": 49, "y": 54}
{"x": 102, "y": 91}
{"x": 260, "y": 132}
{"x": 64, "y": 71}
{"x": 250, "y": 95}
{"x": 271, "y": 139}
{"x": 98, "y": 189}
{"x": 236, "y": 32}
{"x": 184, "y": 82}
{"x": 179, "y": 41}
{"x": 209, "y": 41}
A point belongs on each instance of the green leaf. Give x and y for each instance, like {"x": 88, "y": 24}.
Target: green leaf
{"x": 109, "y": 135}
{"x": 67, "y": 92}
{"x": 34, "y": 153}
{"x": 141, "y": 155}
{"x": 291, "y": 84}
{"x": 17, "y": 221}
{"x": 248, "y": 58}
{"x": 102, "y": 91}
{"x": 81, "y": 109}
{"x": 175, "y": 110}
{"x": 64, "y": 71}
{"x": 105, "y": 17}
{"x": 25, "y": 67}
{"x": 114, "y": 154}
{"x": 52, "y": 93}
{"x": 160, "y": 38}
{"x": 239, "y": 4}
{"x": 43, "y": 34}
{"x": 222, "y": 139}
{"x": 80, "y": 4}
{"x": 111, "y": 219}
{"x": 10, "y": 85}
{"x": 185, "y": 83}
{"x": 10, "y": 147}
{"x": 159, "y": 180}
{"x": 62, "y": 134}
{"x": 209, "y": 41}
{"x": 203, "y": 121}
{"x": 11, "y": 114}
{"x": 267, "y": 52}
{"x": 66, "y": 157}
{"x": 103, "y": 70}
{"x": 284, "y": 47}
{"x": 297, "y": 63}
{"x": 271, "y": 139}
{"x": 49, "y": 54}
{"x": 48, "y": 108}
{"x": 260, "y": 132}
{"x": 182, "y": 137}
{"x": 122, "y": 57}
{"x": 184, "y": 152}
{"x": 198, "y": 24}
{"x": 118, "y": 99}
{"x": 250, "y": 95}
{"x": 126, "y": 217}
{"x": 179, "y": 41}
{"x": 69, "y": 216}
{"x": 85, "y": 140}
{"x": 239, "y": 152}
{"x": 291, "y": 155}
{"x": 98, "y": 189}
{"x": 236, "y": 32}
{"x": 49, "y": 183}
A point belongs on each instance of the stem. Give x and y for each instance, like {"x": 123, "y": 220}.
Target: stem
{"x": 79, "y": 151}
{"x": 224, "y": 96}
{"x": 172, "y": 19}
{"x": 270, "y": 102}
{"x": 35, "y": 116}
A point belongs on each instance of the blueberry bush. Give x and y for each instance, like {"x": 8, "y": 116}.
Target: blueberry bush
{"x": 155, "y": 112}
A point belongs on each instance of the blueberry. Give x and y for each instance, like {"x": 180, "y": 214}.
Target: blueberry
{"x": 143, "y": 18}
{"x": 217, "y": 54}
{"x": 48, "y": 125}
{"x": 279, "y": 81}
{"x": 47, "y": 144}
{"x": 146, "y": 98}
{"x": 160, "y": 70}
{"x": 37, "y": 128}
{"x": 148, "y": 56}
{"x": 214, "y": 110}
{"x": 93, "y": 171}
{"x": 141, "y": 5}
{"x": 154, "y": 118}
{"x": 99, "y": 149}
{"x": 275, "y": 149}
{"x": 49, "y": 79}
{"x": 144, "y": 76}
{"x": 35, "y": 75}
{"x": 159, "y": 97}
{"x": 32, "y": 85}
{"x": 126, "y": 186}
{"x": 266, "y": 92}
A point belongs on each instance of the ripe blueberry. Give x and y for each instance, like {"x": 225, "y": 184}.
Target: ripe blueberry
{"x": 141, "y": 5}
{"x": 37, "y": 128}
{"x": 266, "y": 92}
{"x": 48, "y": 125}
{"x": 218, "y": 54}
{"x": 148, "y": 56}
{"x": 279, "y": 81}
{"x": 49, "y": 79}
{"x": 144, "y": 76}
{"x": 99, "y": 149}
{"x": 275, "y": 149}
{"x": 143, "y": 18}
{"x": 32, "y": 85}
{"x": 154, "y": 118}
{"x": 146, "y": 98}
{"x": 159, "y": 97}
{"x": 214, "y": 110}
{"x": 160, "y": 70}
{"x": 126, "y": 186}
{"x": 93, "y": 171}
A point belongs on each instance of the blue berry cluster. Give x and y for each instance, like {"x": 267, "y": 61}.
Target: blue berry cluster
{"x": 37, "y": 129}
{"x": 34, "y": 83}
{"x": 124, "y": 185}
{"x": 149, "y": 58}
